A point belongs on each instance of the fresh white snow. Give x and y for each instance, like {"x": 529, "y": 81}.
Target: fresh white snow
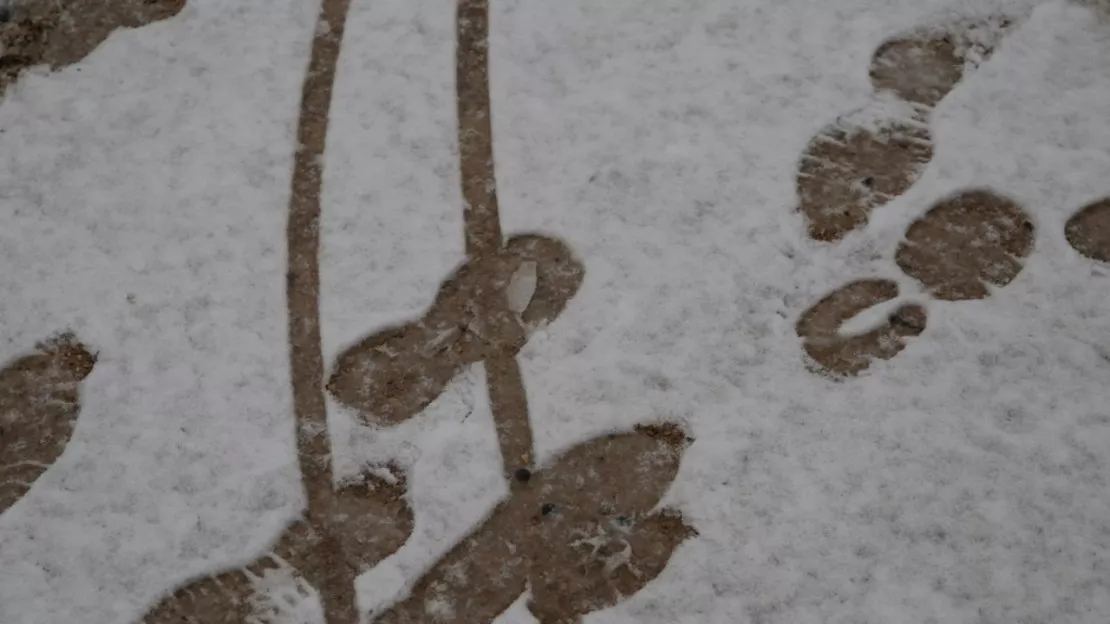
{"x": 143, "y": 195}
{"x": 143, "y": 206}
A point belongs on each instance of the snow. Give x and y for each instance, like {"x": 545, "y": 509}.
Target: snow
{"x": 962, "y": 481}
{"x": 144, "y": 204}
{"x": 522, "y": 287}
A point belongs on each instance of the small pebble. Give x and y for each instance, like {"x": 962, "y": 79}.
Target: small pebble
{"x": 523, "y": 475}
{"x": 547, "y": 509}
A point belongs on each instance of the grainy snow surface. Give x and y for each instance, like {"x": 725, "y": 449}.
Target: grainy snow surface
{"x": 143, "y": 197}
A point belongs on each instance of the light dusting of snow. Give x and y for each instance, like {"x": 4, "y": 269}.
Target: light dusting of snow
{"x": 281, "y": 597}
{"x": 439, "y": 609}
{"x": 144, "y": 196}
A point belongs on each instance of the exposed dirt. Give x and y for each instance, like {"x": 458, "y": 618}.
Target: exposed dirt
{"x": 966, "y": 243}
{"x": 1088, "y": 230}
{"x": 38, "y": 411}
{"x": 61, "y": 32}
{"x": 838, "y": 354}
{"x": 479, "y": 188}
{"x": 846, "y": 172}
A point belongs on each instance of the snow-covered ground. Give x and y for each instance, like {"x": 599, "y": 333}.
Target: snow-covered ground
{"x": 143, "y": 196}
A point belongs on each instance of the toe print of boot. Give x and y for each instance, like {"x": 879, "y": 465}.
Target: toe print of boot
{"x": 850, "y": 169}
{"x": 958, "y": 250}
{"x": 1088, "y": 230}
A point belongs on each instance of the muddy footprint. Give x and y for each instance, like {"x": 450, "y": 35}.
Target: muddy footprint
{"x": 957, "y": 250}
{"x": 850, "y": 169}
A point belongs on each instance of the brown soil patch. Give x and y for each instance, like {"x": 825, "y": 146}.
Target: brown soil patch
{"x": 847, "y": 172}
{"x": 580, "y": 534}
{"x": 834, "y": 353}
{"x": 38, "y": 411}
{"x": 1088, "y": 230}
{"x": 966, "y": 242}
{"x": 62, "y": 32}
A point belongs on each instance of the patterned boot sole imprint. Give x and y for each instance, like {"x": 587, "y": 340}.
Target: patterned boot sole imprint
{"x": 1088, "y": 230}
{"x": 850, "y": 169}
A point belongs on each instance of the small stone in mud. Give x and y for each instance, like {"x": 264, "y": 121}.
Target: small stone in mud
{"x": 523, "y": 475}
{"x": 547, "y": 509}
